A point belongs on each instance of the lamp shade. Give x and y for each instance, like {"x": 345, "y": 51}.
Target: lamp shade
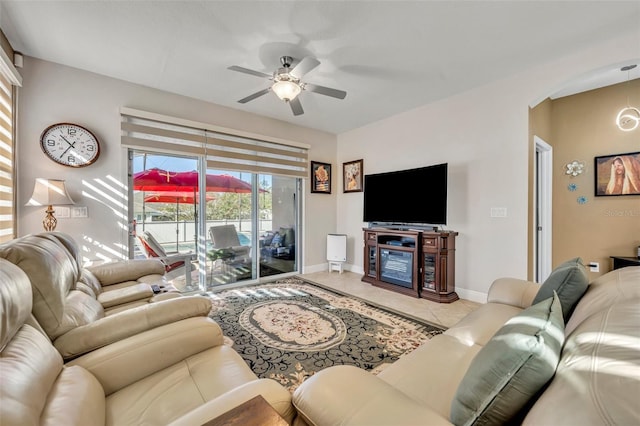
{"x": 47, "y": 192}
{"x": 286, "y": 90}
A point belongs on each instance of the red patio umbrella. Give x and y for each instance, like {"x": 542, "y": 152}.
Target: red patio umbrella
{"x": 178, "y": 198}
{"x": 166, "y": 181}
{"x": 174, "y": 197}
{"x": 216, "y": 183}
{"x": 156, "y": 179}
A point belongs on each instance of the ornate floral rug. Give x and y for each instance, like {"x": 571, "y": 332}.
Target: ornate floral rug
{"x": 289, "y": 329}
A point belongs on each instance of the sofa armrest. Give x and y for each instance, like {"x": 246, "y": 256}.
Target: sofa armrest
{"x": 276, "y": 395}
{"x": 120, "y": 296}
{"x": 513, "y": 291}
{"x": 124, "y": 324}
{"x": 349, "y": 395}
{"x": 126, "y": 361}
{"x": 126, "y": 270}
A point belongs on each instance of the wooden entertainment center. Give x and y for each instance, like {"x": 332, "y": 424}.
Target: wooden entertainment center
{"x": 412, "y": 262}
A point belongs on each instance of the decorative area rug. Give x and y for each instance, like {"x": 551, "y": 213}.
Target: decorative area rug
{"x": 290, "y": 329}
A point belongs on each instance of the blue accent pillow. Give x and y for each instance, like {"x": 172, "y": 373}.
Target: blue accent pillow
{"x": 277, "y": 240}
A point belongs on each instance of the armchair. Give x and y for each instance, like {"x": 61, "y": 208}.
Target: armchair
{"x": 226, "y": 244}
{"x": 71, "y": 305}
{"x": 171, "y": 261}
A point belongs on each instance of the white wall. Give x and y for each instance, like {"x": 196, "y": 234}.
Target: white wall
{"x": 483, "y": 136}
{"x": 52, "y": 93}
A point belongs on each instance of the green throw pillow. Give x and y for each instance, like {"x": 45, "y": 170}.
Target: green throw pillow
{"x": 570, "y": 280}
{"x": 514, "y": 365}
{"x": 288, "y": 236}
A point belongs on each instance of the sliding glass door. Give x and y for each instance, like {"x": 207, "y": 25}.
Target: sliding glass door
{"x": 164, "y": 213}
{"x": 243, "y": 227}
{"x": 251, "y": 226}
{"x": 278, "y": 225}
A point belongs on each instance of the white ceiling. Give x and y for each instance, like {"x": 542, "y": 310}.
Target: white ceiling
{"x": 390, "y": 56}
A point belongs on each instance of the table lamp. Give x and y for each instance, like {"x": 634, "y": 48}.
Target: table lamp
{"x": 47, "y": 192}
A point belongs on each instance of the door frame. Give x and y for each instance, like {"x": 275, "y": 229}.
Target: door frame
{"x": 543, "y": 184}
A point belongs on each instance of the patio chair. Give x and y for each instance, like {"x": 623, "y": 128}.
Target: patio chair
{"x": 225, "y": 238}
{"x": 172, "y": 261}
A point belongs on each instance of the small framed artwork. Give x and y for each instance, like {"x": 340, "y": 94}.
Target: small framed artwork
{"x": 617, "y": 174}
{"x": 352, "y": 176}
{"x": 320, "y": 178}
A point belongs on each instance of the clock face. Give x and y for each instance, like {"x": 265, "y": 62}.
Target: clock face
{"x": 70, "y": 145}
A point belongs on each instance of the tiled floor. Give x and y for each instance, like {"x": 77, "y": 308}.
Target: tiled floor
{"x": 445, "y": 314}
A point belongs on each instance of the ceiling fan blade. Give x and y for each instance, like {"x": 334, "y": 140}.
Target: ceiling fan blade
{"x": 327, "y": 91}
{"x": 306, "y": 64}
{"x": 255, "y": 95}
{"x": 296, "y": 106}
{"x": 248, "y": 71}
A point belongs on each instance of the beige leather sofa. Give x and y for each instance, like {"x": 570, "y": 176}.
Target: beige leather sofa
{"x": 179, "y": 373}
{"x": 597, "y": 380}
{"x": 83, "y": 309}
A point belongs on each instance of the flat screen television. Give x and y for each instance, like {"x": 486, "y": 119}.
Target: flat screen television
{"x": 413, "y": 196}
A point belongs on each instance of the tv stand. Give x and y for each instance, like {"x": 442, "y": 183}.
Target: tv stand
{"x": 413, "y": 262}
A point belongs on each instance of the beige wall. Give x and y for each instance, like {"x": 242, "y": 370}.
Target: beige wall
{"x": 583, "y": 127}
{"x": 482, "y": 134}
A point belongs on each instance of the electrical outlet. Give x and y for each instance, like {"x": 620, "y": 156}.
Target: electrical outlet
{"x": 79, "y": 212}
{"x": 498, "y": 212}
{"x": 594, "y": 266}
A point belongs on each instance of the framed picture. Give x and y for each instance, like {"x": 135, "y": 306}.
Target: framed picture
{"x": 617, "y": 174}
{"x": 320, "y": 177}
{"x": 352, "y": 176}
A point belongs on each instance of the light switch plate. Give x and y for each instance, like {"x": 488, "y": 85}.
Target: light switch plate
{"x": 62, "y": 212}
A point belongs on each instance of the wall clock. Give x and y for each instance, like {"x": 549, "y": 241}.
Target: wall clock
{"x": 70, "y": 145}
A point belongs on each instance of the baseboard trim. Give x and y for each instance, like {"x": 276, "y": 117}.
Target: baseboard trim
{"x": 463, "y": 293}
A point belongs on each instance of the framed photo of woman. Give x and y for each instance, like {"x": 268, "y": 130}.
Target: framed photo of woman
{"x": 617, "y": 174}
{"x": 352, "y": 176}
{"x": 320, "y": 178}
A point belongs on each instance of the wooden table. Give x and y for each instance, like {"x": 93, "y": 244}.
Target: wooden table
{"x": 254, "y": 412}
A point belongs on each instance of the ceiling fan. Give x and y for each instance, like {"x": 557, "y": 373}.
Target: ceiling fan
{"x": 287, "y": 82}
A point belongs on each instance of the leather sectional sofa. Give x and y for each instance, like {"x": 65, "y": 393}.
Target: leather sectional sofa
{"x": 151, "y": 359}
{"x": 565, "y": 352}
{"x": 480, "y": 371}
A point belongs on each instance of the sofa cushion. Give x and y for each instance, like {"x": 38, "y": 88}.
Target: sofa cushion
{"x": 570, "y": 280}
{"x": 168, "y": 394}
{"x": 598, "y": 378}
{"x": 30, "y": 367}
{"x": 15, "y": 300}
{"x": 432, "y": 387}
{"x": 514, "y": 365}
{"x": 75, "y": 399}
{"x": 53, "y": 273}
{"x": 605, "y": 291}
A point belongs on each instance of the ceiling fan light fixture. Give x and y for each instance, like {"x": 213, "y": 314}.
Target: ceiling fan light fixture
{"x": 286, "y": 90}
